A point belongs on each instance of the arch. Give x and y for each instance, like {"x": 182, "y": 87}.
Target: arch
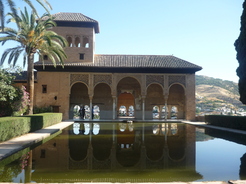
{"x": 177, "y": 83}
{"x": 154, "y": 98}
{"x": 164, "y": 112}
{"x": 125, "y": 101}
{"x": 78, "y": 144}
{"x": 76, "y": 109}
{"x": 96, "y": 112}
{"x": 86, "y": 42}
{"x": 70, "y": 41}
{"x": 174, "y": 112}
{"x": 176, "y": 144}
{"x": 155, "y": 83}
{"x": 129, "y": 93}
{"x": 131, "y": 110}
{"x": 103, "y": 99}
{"x": 87, "y": 112}
{"x": 156, "y": 112}
{"x": 102, "y": 145}
{"x": 176, "y": 98}
{"x": 128, "y": 77}
{"x": 78, "y": 96}
{"x": 154, "y": 141}
{"x": 77, "y": 42}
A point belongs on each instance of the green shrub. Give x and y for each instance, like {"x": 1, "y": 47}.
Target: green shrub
{"x": 234, "y": 122}
{"x": 15, "y": 126}
{"x": 39, "y": 121}
{"x": 37, "y": 110}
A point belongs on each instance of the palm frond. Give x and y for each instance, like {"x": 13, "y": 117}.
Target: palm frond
{"x": 13, "y": 55}
{"x": 2, "y": 17}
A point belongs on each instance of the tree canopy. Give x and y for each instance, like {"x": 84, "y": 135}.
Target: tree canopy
{"x": 11, "y": 4}
{"x": 34, "y": 35}
{"x": 240, "y": 46}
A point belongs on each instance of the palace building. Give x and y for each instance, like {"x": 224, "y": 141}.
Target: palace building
{"x": 113, "y": 86}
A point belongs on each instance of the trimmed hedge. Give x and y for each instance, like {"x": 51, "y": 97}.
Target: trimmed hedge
{"x": 15, "y": 126}
{"x": 234, "y": 122}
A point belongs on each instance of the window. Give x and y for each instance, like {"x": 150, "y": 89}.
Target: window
{"x": 77, "y": 42}
{"x": 86, "y": 42}
{"x": 44, "y": 88}
{"x": 45, "y": 57}
{"x": 81, "y": 56}
{"x": 69, "y": 40}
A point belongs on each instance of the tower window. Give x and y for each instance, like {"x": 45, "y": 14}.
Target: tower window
{"x": 69, "y": 40}
{"x": 77, "y": 42}
{"x": 81, "y": 56}
{"x": 86, "y": 42}
{"x": 45, "y": 57}
{"x": 44, "y": 88}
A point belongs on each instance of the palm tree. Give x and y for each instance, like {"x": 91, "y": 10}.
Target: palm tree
{"x": 44, "y": 3}
{"x": 33, "y": 36}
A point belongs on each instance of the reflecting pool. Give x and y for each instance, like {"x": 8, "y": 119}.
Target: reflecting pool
{"x": 130, "y": 152}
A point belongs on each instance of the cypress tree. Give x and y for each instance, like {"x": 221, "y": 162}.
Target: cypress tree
{"x": 240, "y": 46}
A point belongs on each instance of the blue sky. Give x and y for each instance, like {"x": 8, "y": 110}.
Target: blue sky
{"x": 202, "y": 32}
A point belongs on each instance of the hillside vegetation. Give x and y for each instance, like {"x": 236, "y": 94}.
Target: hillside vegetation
{"x": 217, "y": 96}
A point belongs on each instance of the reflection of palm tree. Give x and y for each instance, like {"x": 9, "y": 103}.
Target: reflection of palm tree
{"x": 33, "y": 37}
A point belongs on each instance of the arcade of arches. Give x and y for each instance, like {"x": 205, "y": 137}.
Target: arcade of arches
{"x": 140, "y": 96}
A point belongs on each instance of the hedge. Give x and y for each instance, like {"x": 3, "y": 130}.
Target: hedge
{"x": 15, "y": 126}
{"x": 234, "y": 122}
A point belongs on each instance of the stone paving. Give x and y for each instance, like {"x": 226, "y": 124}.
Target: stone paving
{"x": 14, "y": 145}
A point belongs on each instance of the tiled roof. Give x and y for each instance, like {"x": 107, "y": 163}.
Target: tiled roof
{"x": 22, "y": 76}
{"x": 75, "y": 17}
{"x": 75, "y": 20}
{"x": 134, "y": 61}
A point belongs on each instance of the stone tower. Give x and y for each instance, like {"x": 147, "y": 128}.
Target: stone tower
{"x": 79, "y": 30}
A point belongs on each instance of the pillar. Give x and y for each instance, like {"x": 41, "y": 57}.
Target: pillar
{"x": 166, "y": 98}
{"x": 143, "y": 107}
{"x": 91, "y": 97}
{"x": 114, "y": 106}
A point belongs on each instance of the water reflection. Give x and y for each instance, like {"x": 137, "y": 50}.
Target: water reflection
{"x": 131, "y": 152}
{"x": 86, "y": 148}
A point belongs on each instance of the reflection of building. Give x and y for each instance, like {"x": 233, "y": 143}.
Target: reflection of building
{"x": 163, "y": 147}
{"x": 112, "y": 81}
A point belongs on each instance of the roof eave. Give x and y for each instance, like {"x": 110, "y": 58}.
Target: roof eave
{"x": 115, "y": 69}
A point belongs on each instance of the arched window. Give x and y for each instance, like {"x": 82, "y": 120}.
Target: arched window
{"x": 174, "y": 112}
{"x": 122, "y": 110}
{"x": 70, "y": 41}
{"x": 76, "y": 112}
{"x": 96, "y": 112}
{"x": 131, "y": 110}
{"x": 87, "y": 112}
{"x": 174, "y": 128}
{"x": 155, "y": 112}
{"x": 86, "y": 42}
{"x": 164, "y": 112}
{"x": 77, "y": 42}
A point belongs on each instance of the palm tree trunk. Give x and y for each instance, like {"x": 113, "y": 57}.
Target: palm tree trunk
{"x": 30, "y": 82}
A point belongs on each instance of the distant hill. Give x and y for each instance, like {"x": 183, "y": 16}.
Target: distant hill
{"x": 212, "y": 93}
{"x": 225, "y": 84}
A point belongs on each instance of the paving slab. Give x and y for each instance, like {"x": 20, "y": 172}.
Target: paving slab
{"x": 16, "y": 144}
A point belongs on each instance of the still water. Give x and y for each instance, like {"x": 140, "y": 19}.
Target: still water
{"x": 130, "y": 152}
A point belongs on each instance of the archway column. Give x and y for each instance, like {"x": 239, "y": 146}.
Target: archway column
{"x": 114, "y": 106}
{"x": 166, "y": 98}
{"x": 91, "y": 97}
{"x": 143, "y": 107}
